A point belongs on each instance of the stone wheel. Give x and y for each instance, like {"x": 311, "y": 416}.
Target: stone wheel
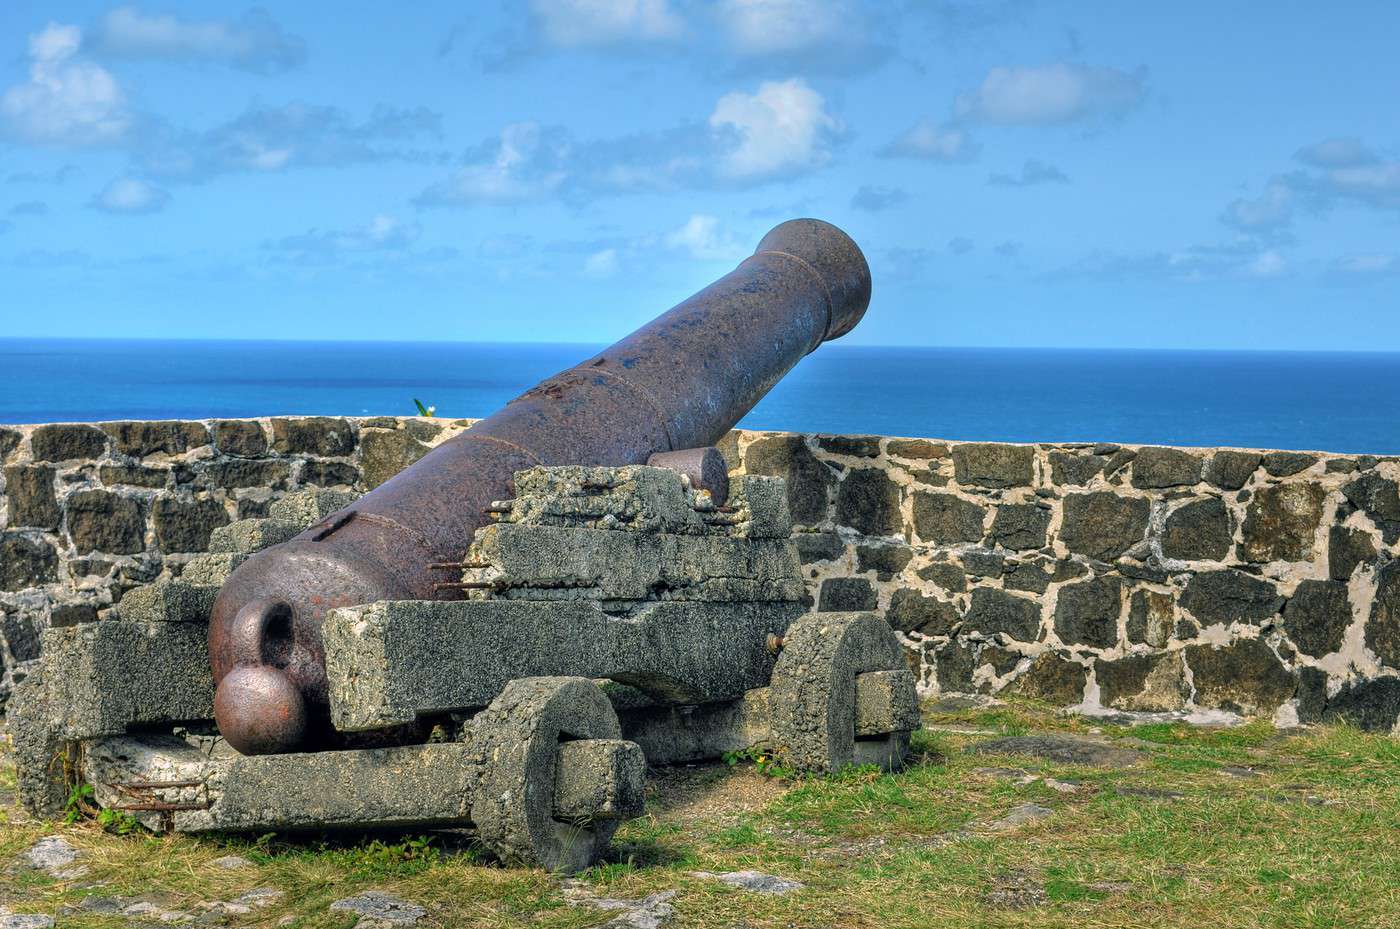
{"x": 517, "y": 743}
{"x": 842, "y": 694}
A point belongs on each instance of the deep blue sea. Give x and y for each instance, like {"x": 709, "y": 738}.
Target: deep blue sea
{"x": 1343, "y": 402}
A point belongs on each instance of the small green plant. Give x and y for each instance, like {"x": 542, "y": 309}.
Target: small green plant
{"x": 768, "y": 762}
{"x": 79, "y": 803}
{"x": 428, "y": 411}
{"x": 117, "y": 822}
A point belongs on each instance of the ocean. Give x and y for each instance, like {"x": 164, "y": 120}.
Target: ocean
{"x": 1329, "y": 401}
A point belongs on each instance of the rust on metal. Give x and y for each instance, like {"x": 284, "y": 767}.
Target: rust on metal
{"x": 705, "y": 468}
{"x": 678, "y": 383}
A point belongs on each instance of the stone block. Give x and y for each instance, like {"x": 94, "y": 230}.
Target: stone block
{"x": 19, "y": 633}
{"x": 1372, "y": 705}
{"x": 1086, "y": 613}
{"x": 946, "y": 519}
{"x": 1383, "y": 625}
{"x": 307, "y": 507}
{"x": 236, "y": 473}
{"x": 139, "y": 439}
{"x": 329, "y": 474}
{"x": 316, "y": 435}
{"x": 40, "y": 755}
{"x": 996, "y": 611}
{"x": 916, "y": 449}
{"x": 384, "y": 453}
{"x": 885, "y": 560}
{"x": 9, "y": 441}
{"x": 1103, "y": 525}
{"x": 1151, "y": 618}
{"x": 1347, "y": 548}
{"x": 1378, "y": 498}
{"x": 245, "y": 536}
{"x": 101, "y": 521}
{"x": 945, "y": 574}
{"x": 212, "y": 569}
{"x": 1281, "y": 523}
{"x": 1230, "y": 596}
{"x": 856, "y": 446}
{"x": 1231, "y": 470}
{"x": 241, "y": 438}
{"x": 1157, "y": 467}
{"x": 993, "y": 465}
{"x": 1075, "y": 469}
{"x": 867, "y": 500}
{"x": 1054, "y": 680}
{"x": 809, "y": 482}
{"x": 105, "y": 677}
{"x": 30, "y": 492}
{"x": 1143, "y": 683}
{"x": 1020, "y": 526}
{"x": 1316, "y": 616}
{"x": 168, "y": 601}
{"x": 1244, "y": 677}
{"x": 846, "y": 595}
{"x": 911, "y": 611}
{"x": 598, "y": 779}
{"x": 762, "y": 507}
{"x": 185, "y": 524}
{"x": 67, "y": 442}
{"x": 886, "y": 701}
{"x": 133, "y": 476}
{"x": 391, "y": 661}
{"x": 1197, "y": 531}
{"x": 813, "y": 547}
{"x": 1283, "y": 464}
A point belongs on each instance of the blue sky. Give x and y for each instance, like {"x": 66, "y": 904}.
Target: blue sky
{"x": 1195, "y": 175}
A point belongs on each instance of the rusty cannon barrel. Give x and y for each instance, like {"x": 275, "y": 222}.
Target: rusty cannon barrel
{"x": 680, "y": 382}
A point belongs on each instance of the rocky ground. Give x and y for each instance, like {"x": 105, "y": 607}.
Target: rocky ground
{"x": 1011, "y": 816}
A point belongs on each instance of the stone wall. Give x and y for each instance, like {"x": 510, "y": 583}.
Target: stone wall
{"x": 1108, "y": 577}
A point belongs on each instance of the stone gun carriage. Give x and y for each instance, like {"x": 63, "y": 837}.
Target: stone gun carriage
{"x": 506, "y": 634}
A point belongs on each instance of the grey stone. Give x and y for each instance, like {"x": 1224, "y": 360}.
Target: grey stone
{"x": 1143, "y": 683}
{"x": 235, "y": 473}
{"x": 1150, "y": 618}
{"x": 51, "y": 853}
{"x": 1383, "y": 626}
{"x": 231, "y": 863}
{"x": 24, "y": 920}
{"x": 911, "y": 611}
{"x": 389, "y": 662}
{"x": 378, "y": 908}
{"x": 1019, "y": 816}
{"x": 818, "y": 546}
{"x": 9, "y": 441}
{"x": 1372, "y": 705}
{"x": 1230, "y": 470}
{"x": 954, "y": 664}
{"x": 30, "y": 492}
{"x": 846, "y": 594}
{"x": 996, "y": 611}
{"x": 1380, "y": 500}
{"x": 310, "y": 506}
{"x": 868, "y": 501}
{"x": 185, "y": 525}
{"x": 1069, "y": 468}
{"x": 1281, "y": 523}
{"x": 809, "y": 482}
{"x": 245, "y": 536}
{"x": 599, "y": 779}
{"x": 1282, "y": 464}
{"x": 384, "y": 453}
{"x": 1062, "y": 749}
{"x": 1020, "y": 526}
{"x": 66, "y": 442}
{"x": 317, "y": 435}
{"x": 856, "y": 446}
{"x": 1103, "y": 525}
{"x": 1244, "y": 677}
{"x": 885, "y": 560}
{"x": 1347, "y": 548}
{"x": 1054, "y": 680}
{"x": 133, "y": 476}
{"x": 1197, "y": 531}
{"x": 1340, "y": 465}
{"x": 329, "y": 474}
{"x": 1230, "y": 596}
{"x": 755, "y": 881}
{"x": 140, "y": 439}
{"x": 38, "y": 751}
{"x": 945, "y": 574}
{"x": 1030, "y": 576}
{"x": 99, "y": 521}
{"x": 1157, "y": 467}
{"x": 1118, "y": 461}
{"x": 20, "y": 635}
{"x": 26, "y": 561}
{"x": 1086, "y": 613}
{"x": 993, "y": 465}
{"x": 211, "y": 569}
{"x": 945, "y": 519}
{"x": 981, "y": 563}
{"x": 168, "y": 601}
{"x": 1312, "y": 694}
{"x": 242, "y": 438}
{"x": 103, "y": 677}
{"x": 1317, "y": 615}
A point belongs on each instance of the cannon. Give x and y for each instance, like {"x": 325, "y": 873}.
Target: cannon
{"x": 508, "y": 632}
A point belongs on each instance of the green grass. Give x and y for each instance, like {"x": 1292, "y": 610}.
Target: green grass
{"x": 1306, "y": 837}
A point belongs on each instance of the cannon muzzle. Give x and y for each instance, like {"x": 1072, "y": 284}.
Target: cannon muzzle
{"x": 680, "y": 382}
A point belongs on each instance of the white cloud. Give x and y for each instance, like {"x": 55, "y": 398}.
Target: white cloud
{"x": 574, "y": 23}
{"x": 383, "y": 233}
{"x": 1336, "y": 153}
{"x": 1368, "y": 265}
{"x": 763, "y": 27}
{"x": 780, "y": 129}
{"x": 703, "y": 238}
{"x": 1050, "y": 95}
{"x": 1268, "y": 264}
{"x": 253, "y": 43}
{"x": 66, "y": 101}
{"x": 1375, "y": 185}
{"x": 933, "y": 142}
{"x": 1033, "y": 172}
{"x": 1271, "y": 210}
{"x": 528, "y": 163}
{"x": 601, "y": 263}
{"x": 131, "y": 195}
